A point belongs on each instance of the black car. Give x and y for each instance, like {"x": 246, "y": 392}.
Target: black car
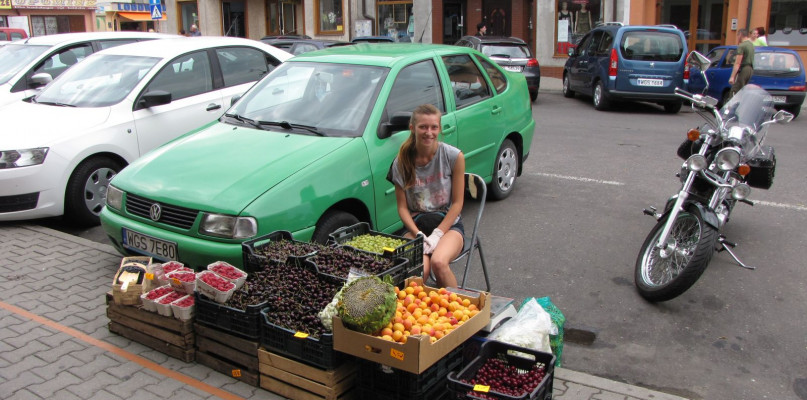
{"x": 512, "y": 54}
{"x": 299, "y": 46}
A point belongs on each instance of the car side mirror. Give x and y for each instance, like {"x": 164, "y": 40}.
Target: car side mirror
{"x": 570, "y": 51}
{"x": 154, "y": 98}
{"x": 235, "y": 100}
{"x": 41, "y": 79}
{"x": 398, "y": 122}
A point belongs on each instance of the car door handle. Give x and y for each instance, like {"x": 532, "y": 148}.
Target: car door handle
{"x": 447, "y": 130}
{"x": 496, "y": 110}
{"x": 213, "y": 106}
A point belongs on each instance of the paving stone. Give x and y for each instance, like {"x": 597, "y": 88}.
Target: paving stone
{"x": 100, "y": 363}
{"x": 65, "y": 394}
{"x": 16, "y": 356}
{"x": 21, "y": 382}
{"x": 24, "y": 327}
{"x": 46, "y": 389}
{"x": 22, "y": 394}
{"x": 242, "y": 389}
{"x": 189, "y": 393}
{"x": 127, "y": 387}
{"x": 55, "y": 353}
{"x": 197, "y": 371}
{"x": 34, "y": 334}
{"x": 105, "y": 395}
{"x": 88, "y": 354}
{"x": 64, "y": 363}
{"x": 125, "y": 370}
{"x": 29, "y": 363}
{"x": 93, "y": 385}
{"x": 166, "y": 389}
{"x": 576, "y": 391}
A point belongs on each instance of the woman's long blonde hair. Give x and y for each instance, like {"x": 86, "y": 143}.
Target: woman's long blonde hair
{"x": 406, "y": 155}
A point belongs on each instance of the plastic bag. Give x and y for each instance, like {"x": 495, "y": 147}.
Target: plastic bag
{"x": 530, "y": 328}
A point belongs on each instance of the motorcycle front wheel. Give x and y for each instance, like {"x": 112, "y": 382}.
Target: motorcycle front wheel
{"x": 664, "y": 274}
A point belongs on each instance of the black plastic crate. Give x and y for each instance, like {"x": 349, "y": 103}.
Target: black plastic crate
{"x": 412, "y": 250}
{"x": 401, "y": 384}
{"x": 520, "y": 357}
{"x": 253, "y": 261}
{"x": 318, "y": 352}
{"x": 238, "y": 322}
{"x": 437, "y": 392}
{"x": 397, "y": 272}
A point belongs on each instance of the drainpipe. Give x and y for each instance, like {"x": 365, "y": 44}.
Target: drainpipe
{"x": 748, "y": 15}
{"x": 364, "y": 14}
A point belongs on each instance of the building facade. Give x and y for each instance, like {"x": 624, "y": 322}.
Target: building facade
{"x": 47, "y": 17}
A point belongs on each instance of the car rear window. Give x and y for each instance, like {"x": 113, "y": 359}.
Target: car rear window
{"x": 651, "y": 46}
{"x": 505, "y": 50}
{"x": 776, "y": 64}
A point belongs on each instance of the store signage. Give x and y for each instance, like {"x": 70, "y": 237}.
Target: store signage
{"x": 5, "y": 4}
{"x": 84, "y": 4}
{"x": 134, "y": 7}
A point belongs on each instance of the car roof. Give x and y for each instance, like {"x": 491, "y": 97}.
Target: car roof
{"x": 494, "y": 39}
{"x": 66, "y": 38}
{"x": 615, "y": 27}
{"x": 383, "y": 55}
{"x": 772, "y": 49}
{"x": 171, "y": 47}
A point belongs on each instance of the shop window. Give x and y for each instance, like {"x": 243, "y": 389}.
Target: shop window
{"x": 575, "y": 18}
{"x": 51, "y": 24}
{"x": 3, "y": 21}
{"x": 395, "y": 19}
{"x": 788, "y": 23}
{"x": 329, "y": 17}
{"x": 188, "y": 14}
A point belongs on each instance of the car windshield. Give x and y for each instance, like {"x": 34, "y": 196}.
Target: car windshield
{"x": 99, "y": 81}
{"x": 651, "y": 46}
{"x": 503, "y": 50}
{"x": 776, "y": 64}
{"x": 322, "y": 98}
{"x": 14, "y": 57}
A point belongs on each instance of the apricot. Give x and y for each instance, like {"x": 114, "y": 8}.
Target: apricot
{"x": 398, "y": 326}
{"x": 386, "y": 332}
{"x": 387, "y": 337}
{"x": 415, "y": 330}
{"x": 466, "y": 302}
{"x": 397, "y": 335}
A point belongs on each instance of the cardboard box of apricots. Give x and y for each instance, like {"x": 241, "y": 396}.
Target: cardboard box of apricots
{"x": 419, "y": 351}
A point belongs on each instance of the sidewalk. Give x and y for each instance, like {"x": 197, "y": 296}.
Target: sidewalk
{"x": 54, "y": 340}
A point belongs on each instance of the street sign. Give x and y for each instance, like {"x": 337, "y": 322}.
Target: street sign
{"x": 156, "y": 13}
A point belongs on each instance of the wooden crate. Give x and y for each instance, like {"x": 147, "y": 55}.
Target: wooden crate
{"x": 228, "y": 354}
{"x": 165, "y": 334}
{"x": 299, "y": 381}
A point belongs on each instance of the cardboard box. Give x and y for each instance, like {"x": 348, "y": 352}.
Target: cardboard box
{"x": 131, "y": 296}
{"x": 418, "y": 353}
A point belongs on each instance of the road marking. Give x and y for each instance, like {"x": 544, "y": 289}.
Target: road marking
{"x": 223, "y": 394}
{"x": 780, "y": 205}
{"x": 578, "y": 179}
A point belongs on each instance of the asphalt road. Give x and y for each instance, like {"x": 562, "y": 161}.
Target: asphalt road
{"x": 572, "y": 231}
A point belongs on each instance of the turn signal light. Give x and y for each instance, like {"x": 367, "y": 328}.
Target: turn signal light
{"x": 613, "y": 64}
{"x": 744, "y": 169}
{"x": 801, "y": 88}
{"x": 693, "y": 135}
{"x": 532, "y": 62}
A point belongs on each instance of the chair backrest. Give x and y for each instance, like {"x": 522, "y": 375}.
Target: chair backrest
{"x": 476, "y": 188}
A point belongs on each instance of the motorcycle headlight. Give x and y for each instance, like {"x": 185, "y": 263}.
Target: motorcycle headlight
{"x": 228, "y": 226}
{"x": 114, "y": 197}
{"x": 696, "y": 162}
{"x": 22, "y": 158}
{"x": 727, "y": 159}
{"x": 741, "y": 191}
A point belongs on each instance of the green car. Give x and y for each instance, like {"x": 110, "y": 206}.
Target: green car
{"x": 308, "y": 148}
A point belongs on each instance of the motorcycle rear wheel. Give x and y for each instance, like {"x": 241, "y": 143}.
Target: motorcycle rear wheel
{"x": 691, "y": 244}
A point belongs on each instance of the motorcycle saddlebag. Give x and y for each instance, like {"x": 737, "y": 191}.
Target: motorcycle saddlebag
{"x": 763, "y": 167}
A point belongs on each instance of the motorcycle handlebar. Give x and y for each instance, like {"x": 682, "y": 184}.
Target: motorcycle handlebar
{"x": 696, "y": 99}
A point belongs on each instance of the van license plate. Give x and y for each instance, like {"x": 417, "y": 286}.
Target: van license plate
{"x": 650, "y": 82}
{"x": 157, "y": 248}
{"x": 512, "y": 68}
{"x": 779, "y": 99}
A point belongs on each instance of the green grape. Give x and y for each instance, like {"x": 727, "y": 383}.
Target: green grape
{"x": 374, "y": 243}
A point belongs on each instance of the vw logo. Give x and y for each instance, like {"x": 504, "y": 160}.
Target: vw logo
{"x": 155, "y": 212}
{"x": 652, "y": 65}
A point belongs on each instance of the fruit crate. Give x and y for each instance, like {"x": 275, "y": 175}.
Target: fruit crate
{"x": 228, "y": 354}
{"x": 397, "y": 272}
{"x": 412, "y": 250}
{"x": 254, "y": 261}
{"x": 522, "y": 358}
{"x": 238, "y": 322}
{"x": 314, "y": 351}
{"x": 437, "y": 392}
{"x": 392, "y": 383}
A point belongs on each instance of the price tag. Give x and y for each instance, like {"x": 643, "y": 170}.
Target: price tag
{"x": 176, "y": 281}
{"x": 236, "y": 373}
{"x": 481, "y": 388}
{"x": 388, "y": 250}
{"x": 301, "y": 335}
{"x": 150, "y": 276}
{"x": 396, "y": 354}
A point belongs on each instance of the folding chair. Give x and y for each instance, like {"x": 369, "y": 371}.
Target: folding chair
{"x": 476, "y": 188}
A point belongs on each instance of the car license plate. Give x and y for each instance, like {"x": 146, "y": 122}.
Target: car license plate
{"x": 161, "y": 249}
{"x": 650, "y": 82}
{"x": 779, "y": 99}
{"x": 512, "y": 68}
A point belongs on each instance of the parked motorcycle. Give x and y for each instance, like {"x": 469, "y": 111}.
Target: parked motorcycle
{"x": 725, "y": 157}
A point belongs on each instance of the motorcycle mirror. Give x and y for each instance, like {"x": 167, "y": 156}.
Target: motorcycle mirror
{"x": 782, "y": 117}
{"x": 699, "y": 60}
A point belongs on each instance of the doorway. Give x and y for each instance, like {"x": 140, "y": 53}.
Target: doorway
{"x": 233, "y": 16}
{"x": 453, "y": 21}
{"x": 497, "y": 17}
{"x": 706, "y": 18}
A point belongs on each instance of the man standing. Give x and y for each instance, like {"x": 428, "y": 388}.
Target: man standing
{"x": 195, "y": 31}
{"x": 481, "y": 29}
{"x": 743, "y": 62}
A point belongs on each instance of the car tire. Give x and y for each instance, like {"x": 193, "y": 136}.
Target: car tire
{"x": 330, "y": 222}
{"x": 85, "y": 195}
{"x": 533, "y": 96}
{"x": 505, "y": 171}
{"x": 673, "y": 107}
{"x": 794, "y": 110}
{"x": 600, "y": 97}
{"x": 725, "y": 98}
{"x": 567, "y": 91}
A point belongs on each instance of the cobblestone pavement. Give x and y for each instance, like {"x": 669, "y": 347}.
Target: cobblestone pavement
{"x": 55, "y": 343}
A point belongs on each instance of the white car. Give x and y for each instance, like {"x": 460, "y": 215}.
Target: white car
{"x": 59, "y": 150}
{"x": 27, "y": 65}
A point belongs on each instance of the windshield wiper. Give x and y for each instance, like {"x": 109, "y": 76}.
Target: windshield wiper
{"x": 52, "y": 103}
{"x": 243, "y": 119}
{"x": 288, "y": 126}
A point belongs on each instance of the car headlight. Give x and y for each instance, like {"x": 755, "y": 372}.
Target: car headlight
{"x": 228, "y": 226}
{"x": 741, "y": 191}
{"x": 22, "y": 158}
{"x": 727, "y": 159}
{"x": 696, "y": 162}
{"x": 114, "y": 197}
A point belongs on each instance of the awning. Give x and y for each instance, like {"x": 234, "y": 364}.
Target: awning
{"x": 139, "y": 16}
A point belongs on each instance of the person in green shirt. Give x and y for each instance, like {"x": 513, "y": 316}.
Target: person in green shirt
{"x": 758, "y": 37}
{"x": 743, "y": 62}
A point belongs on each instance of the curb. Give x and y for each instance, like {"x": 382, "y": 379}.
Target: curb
{"x": 612, "y": 386}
